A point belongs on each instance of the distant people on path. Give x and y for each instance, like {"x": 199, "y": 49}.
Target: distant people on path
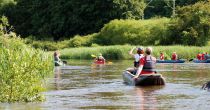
{"x": 146, "y": 64}
{"x": 162, "y": 56}
{"x": 174, "y": 56}
{"x": 139, "y": 54}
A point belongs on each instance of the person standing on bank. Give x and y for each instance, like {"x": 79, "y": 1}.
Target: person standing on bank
{"x": 146, "y": 64}
{"x": 137, "y": 56}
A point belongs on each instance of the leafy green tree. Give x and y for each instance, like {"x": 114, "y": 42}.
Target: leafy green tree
{"x": 192, "y": 25}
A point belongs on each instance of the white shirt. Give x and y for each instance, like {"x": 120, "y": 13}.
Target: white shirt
{"x": 138, "y": 57}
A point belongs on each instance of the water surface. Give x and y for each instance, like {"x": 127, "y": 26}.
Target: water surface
{"x": 84, "y": 85}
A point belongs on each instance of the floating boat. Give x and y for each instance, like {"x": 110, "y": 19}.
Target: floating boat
{"x": 170, "y": 61}
{"x": 201, "y": 61}
{"x": 100, "y": 62}
{"x": 144, "y": 80}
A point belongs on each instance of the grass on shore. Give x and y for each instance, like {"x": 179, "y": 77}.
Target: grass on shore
{"x": 118, "y": 52}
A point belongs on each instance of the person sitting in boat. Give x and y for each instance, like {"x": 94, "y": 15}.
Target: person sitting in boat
{"x": 147, "y": 64}
{"x": 174, "y": 56}
{"x": 206, "y": 56}
{"x": 100, "y": 58}
{"x": 137, "y": 56}
{"x": 161, "y": 56}
{"x": 57, "y": 60}
{"x": 203, "y": 56}
{"x": 199, "y": 56}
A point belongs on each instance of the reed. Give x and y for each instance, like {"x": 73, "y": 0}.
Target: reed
{"x": 118, "y": 52}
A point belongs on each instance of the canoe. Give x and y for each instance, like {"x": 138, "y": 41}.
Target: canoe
{"x": 201, "y": 61}
{"x": 170, "y": 61}
{"x": 100, "y": 62}
{"x": 144, "y": 80}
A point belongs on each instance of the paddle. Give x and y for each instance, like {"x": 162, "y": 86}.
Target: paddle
{"x": 191, "y": 59}
{"x": 65, "y": 62}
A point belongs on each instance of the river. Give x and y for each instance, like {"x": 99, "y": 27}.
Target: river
{"x": 84, "y": 85}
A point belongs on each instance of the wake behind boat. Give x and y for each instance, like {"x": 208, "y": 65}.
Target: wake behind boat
{"x": 144, "y": 80}
{"x": 171, "y": 61}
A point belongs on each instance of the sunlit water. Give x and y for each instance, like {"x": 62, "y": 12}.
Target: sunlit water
{"x": 84, "y": 85}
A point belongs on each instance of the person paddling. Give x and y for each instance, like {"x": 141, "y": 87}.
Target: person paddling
{"x": 199, "y": 56}
{"x": 57, "y": 60}
{"x": 161, "y": 56}
{"x": 147, "y": 64}
{"x": 174, "y": 56}
{"x": 100, "y": 59}
{"x": 139, "y": 54}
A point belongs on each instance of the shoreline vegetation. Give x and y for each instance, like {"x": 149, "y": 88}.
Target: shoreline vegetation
{"x": 120, "y": 52}
{"x": 22, "y": 69}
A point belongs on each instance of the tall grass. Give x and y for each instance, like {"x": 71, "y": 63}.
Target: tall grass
{"x": 119, "y": 52}
{"x": 22, "y": 70}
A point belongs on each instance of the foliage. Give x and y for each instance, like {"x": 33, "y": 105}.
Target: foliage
{"x": 192, "y": 25}
{"x": 59, "y": 19}
{"x": 134, "y": 32}
{"x": 120, "y": 52}
{"x": 22, "y": 69}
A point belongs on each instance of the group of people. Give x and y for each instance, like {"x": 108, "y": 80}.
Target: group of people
{"x": 173, "y": 57}
{"x": 144, "y": 63}
{"x": 202, "y": 56}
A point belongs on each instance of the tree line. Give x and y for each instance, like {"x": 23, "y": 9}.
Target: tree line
{"x": 62, "y": 19}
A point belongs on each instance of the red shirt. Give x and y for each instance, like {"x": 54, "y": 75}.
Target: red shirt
{"x": 203, "y": 56}
{"x": 142, "y": 62}
{"x": 199, "y": 56}
{"x": 161, "y": 57}
{"x": 174, "y": 57}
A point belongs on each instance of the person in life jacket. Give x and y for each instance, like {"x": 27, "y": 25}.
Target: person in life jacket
{"x": 100, "y": 58}
{"x": 174, "y": 56}
{"x": 139, "y": 54}
{"x": 199, "y": 56}
{"x": 161, "y": 56}
{"x": 203, "y": 56}
{"x": 147, "y": 64}
{"x": 206, "y": 56}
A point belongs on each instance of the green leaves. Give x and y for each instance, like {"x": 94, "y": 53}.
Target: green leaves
{"x": 22, "y": 69}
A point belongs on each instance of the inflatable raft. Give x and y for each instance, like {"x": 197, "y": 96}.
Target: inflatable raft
{"x": 144, "y": 80}
{"x": 170, "y": 61}
{"x": 201, "y": 61}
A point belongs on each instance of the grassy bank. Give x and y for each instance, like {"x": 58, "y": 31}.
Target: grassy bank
{"x": 121, "y": 52}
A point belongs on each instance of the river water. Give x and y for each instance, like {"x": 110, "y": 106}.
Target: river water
{"x": 84, "y": 85}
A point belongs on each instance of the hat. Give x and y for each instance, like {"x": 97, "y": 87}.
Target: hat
{"x": 99, "y": 54}
{"x": 140, "y": 49}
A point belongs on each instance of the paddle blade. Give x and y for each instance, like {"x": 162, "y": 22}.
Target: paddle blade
{"x": 191, "y": 60}
{"x": 93, "y": 56}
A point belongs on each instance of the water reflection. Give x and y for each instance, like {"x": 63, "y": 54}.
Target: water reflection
{"x": 57, "y": 77}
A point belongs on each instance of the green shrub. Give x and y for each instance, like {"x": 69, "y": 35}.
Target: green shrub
{"x": 22, "y": 69}
{"x": 134, "y": 32}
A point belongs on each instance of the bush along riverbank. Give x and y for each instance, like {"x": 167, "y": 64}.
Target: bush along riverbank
{"x": 120, "y": 52}
{"x": 22, "y": 69}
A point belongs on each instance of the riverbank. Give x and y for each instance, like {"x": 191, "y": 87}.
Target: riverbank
{"x": 119, "y": 52}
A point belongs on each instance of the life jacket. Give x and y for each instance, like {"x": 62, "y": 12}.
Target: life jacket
{"x": 174, "y": 57}
{"x": 149, "y": 65}
{"x": 161, "y": 57}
